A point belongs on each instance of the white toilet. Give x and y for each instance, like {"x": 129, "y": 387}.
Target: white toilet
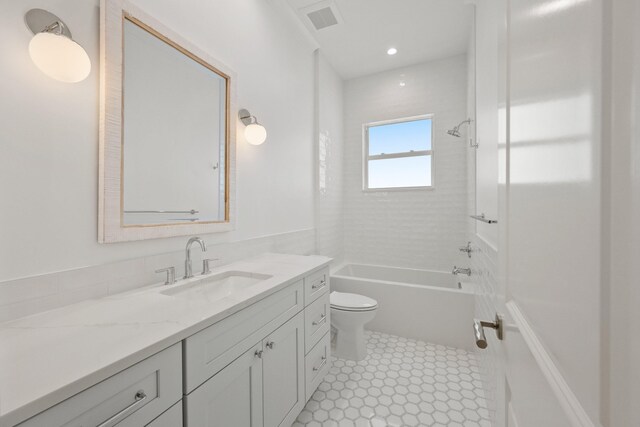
{"x": 349, "y": 314}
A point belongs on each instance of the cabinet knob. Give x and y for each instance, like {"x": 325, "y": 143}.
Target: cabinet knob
{"x": 271, "y": 344}
{"x": 258, "y": 354}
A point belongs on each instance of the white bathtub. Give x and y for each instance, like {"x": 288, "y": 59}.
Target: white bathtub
{"x": 421, "y": 304}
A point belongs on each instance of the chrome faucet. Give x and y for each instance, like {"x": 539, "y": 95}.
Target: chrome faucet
{"x": 458, "y": 270}
{"x": 188, "y": 271}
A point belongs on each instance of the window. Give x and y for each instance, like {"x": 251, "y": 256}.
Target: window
{"x": 398, "y": 154}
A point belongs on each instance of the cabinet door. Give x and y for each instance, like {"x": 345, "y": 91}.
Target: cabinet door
{"x": 232, "y": 397}
{"x": 283, "y": 373}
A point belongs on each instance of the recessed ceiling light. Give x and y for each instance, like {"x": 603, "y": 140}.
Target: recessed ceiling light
{"x": 392, "y": 51}
{"x": 402, "y": 84}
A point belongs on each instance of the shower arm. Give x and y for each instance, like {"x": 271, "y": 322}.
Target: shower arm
{"x": 454, "y": 132}
{"x": 468, "y": 121}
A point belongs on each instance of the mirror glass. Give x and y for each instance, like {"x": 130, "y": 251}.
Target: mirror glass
{"x": 175, "y": 135}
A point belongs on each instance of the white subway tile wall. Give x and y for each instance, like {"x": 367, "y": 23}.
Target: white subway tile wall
{"x": 329, "y": 164}
{"x": 23, "y": 297}
{"x": 419, "y": 228}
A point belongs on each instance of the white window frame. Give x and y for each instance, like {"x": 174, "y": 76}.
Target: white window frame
{"x": 366, "y": 157}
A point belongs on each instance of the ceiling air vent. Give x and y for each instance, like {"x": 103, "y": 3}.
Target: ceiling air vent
{"x": 322, "y": 18}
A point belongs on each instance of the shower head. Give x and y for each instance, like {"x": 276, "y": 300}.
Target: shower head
{"x": 456, "y": 130}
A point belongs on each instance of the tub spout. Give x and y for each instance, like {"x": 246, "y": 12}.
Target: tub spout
{"x": 458, "y": 270}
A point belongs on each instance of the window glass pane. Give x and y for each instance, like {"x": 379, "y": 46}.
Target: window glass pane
{"x": 400, "y": 172}
{"x": 400, "y": 137}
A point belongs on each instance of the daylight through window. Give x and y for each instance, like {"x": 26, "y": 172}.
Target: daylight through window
{"x": 399, "y": 154}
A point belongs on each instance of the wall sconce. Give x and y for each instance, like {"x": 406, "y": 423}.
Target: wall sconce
{"x": 53, "y": 50}
{"x": 254, "y": 133}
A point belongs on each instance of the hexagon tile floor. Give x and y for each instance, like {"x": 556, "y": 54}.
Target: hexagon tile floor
{"x": 402, "y": 382}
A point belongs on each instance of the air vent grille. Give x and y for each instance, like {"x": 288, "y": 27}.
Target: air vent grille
{"x": 322, "y": 18}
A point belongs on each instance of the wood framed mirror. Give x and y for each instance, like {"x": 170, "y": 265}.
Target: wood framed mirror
{"x": 167, "y": 132}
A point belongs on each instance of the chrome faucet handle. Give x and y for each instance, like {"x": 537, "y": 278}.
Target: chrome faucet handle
{"x": 171, "y": 275}
{"x": 468, "y": 249}
{"x": 206, "y": 267}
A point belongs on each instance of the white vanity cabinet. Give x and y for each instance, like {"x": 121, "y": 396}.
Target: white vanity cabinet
{"x": 131, "y": 398}
{"x": 317, "y": 316}
{"x": 264, "y": 387}
{"x": 256, "y": 369}
{"x": 215, "y": 347}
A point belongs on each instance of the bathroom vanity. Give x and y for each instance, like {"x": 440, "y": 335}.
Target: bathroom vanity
{"x": 246, "y": 345}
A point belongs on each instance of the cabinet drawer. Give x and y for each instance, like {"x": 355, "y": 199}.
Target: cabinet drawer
{"x": 131, "y": 398}
{"x": 211, "y": 349}
{"x": 316, "y": 284}
{"x": 317, "y": 321}
{"x": 171, "y": 418}
{"x": 317, "y": 364}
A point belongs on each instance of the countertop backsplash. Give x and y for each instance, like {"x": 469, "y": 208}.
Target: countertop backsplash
{"x": 31, "y": 295}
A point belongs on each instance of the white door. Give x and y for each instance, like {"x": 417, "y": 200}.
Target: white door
{"x": 283, "y": 373}
{"x": 547, "y": 271}
{"x": 232, "y": 397}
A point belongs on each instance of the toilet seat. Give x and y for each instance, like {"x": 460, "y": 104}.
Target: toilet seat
{"x": 351, "y": 302}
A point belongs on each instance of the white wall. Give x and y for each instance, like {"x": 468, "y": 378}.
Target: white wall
{"x": 49, "y": 132}
{"x": 471, "y": 130}
{"x": 486, "y": 125}
{"x": 622, "y": 229}
{"x": 329, "y": 154}
{"x": 418, "y": 228}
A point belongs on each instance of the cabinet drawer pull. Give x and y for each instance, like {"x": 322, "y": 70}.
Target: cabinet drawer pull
{"x": 324, "y": 362}
{"x": 258, "y": 354}
{"x": 320, "y": 321}
{"x": 271, "y": 344}
{"x": 140, "y": 397}
{"x": 319, "y": 285}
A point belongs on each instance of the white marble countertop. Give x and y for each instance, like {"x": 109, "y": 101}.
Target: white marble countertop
{"x": 48, "y": 357}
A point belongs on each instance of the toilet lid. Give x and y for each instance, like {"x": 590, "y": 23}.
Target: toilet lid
{"x": 351, "y": 302}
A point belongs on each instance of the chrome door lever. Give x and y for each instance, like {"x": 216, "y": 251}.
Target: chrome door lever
{"x": 478, "y": 329}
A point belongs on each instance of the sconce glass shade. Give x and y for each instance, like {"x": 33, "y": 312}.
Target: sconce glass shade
{"x": 255, "y": 134}
{"x": 59, "y": 57}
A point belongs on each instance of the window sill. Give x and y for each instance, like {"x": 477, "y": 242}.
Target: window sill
{"x": 397, "y": 189}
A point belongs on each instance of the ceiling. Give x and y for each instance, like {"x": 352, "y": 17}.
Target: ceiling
{"x": 421, "y": 30}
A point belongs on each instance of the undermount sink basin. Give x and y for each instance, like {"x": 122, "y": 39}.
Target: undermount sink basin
{"x": 218, "y": 286}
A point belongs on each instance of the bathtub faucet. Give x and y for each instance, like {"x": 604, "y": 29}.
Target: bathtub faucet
{"x": 457, "y": 270}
